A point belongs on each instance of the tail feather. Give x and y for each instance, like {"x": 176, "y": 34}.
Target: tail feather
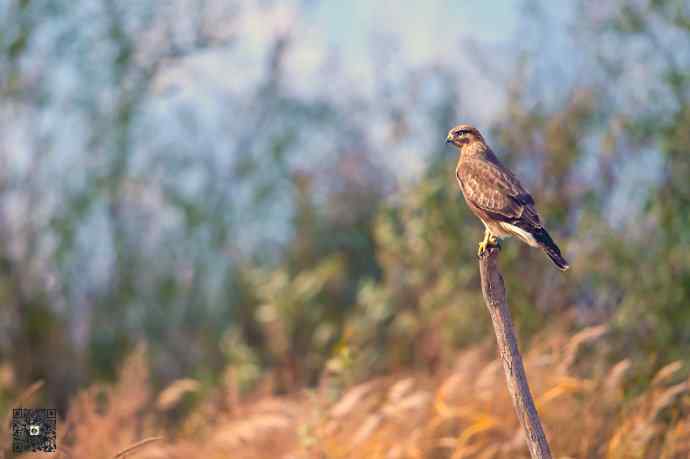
{"x": 551, "y": 249}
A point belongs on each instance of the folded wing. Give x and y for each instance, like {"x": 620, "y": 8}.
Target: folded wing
{"x": 496, "y": 191}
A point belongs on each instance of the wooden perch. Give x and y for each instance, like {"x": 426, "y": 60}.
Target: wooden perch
{"x": 495, "y": 297}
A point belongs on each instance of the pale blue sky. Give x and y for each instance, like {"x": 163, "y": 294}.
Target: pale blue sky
{"x": 426, "y": 30}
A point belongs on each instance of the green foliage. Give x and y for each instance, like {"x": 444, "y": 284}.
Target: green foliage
{"x": 652, "y": 262}
{"x": 423, "y": 302}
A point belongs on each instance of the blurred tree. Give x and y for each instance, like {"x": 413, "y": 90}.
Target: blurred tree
{"x": 654, "y": 112}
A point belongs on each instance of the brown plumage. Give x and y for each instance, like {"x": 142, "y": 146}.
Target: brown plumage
{"x": 496, "y": 197}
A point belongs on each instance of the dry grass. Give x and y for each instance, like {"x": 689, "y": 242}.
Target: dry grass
{"x": 461, "y": 412}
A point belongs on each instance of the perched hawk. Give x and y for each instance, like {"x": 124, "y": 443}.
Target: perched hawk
{"x": 496, "y": 196}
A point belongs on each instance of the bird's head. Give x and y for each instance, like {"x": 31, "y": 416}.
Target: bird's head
{"x": 464, "y": 134}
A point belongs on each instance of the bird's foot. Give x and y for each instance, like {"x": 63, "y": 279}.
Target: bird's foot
{"x": 482, "y": 248}
{"x": 495, "y": 242}
{"x": 486, "y": 244}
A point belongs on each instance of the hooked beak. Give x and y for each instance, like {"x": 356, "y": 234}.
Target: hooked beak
{"x": 449, "y": 139}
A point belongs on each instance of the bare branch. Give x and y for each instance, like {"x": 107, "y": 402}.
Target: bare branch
{"x": 494, "y": 293}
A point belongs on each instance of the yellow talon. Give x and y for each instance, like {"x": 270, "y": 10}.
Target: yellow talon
{"x": 489, "y": 241}
{"x": 482, "y": 248}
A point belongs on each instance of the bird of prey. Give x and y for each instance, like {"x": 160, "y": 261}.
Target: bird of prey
{"x": 496, "y": 197}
